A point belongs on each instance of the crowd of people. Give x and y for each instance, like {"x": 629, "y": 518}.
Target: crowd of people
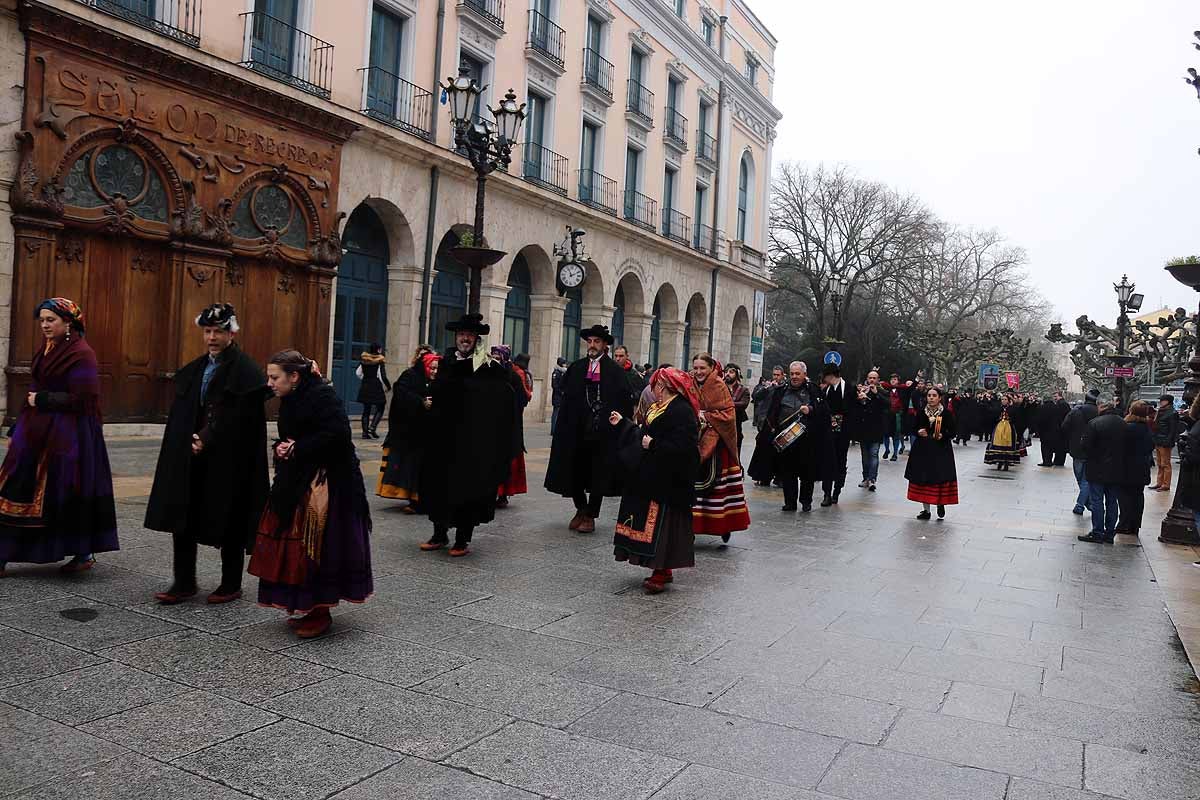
{"x": 667, "y": 442}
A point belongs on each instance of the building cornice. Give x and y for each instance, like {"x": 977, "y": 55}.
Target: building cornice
{"x": 753, "y": 19}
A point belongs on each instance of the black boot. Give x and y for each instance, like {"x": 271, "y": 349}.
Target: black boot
{"x": 836, "y": 493}
{"x": 826, "y": 501}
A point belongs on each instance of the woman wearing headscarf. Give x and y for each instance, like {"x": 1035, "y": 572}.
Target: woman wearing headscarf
{"x": 932, "y": 478}
{"x": 1137, "y": 465}
{"x": 1004, "y": 448}
{"x": 372, "y": 392}
{"x": 661, "y": 457}
{"x": 720, "y": 507}
{"x": 408, "y": 433}
{"x": 522, "y": 390}
{"x": 313, "y": 547}
{"x": 56, "y": 495}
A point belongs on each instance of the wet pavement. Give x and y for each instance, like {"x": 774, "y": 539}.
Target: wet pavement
{"x": 854, "y": 652}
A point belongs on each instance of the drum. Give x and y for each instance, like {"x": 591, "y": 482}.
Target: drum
{"x": 789, "y": 433}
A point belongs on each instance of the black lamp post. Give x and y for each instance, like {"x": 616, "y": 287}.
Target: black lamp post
{"x": 1127, "y": 301}
{"x": 838, "y": 285}
{"x": 488, "y": 145}
{"x": 1179, "y": 526}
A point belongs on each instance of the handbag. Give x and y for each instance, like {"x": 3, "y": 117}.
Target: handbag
{"x": 790, "y": 431}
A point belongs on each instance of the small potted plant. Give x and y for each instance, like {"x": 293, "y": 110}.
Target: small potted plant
{"x": 473, "y": 255}
{"x": 1186, "y": 270}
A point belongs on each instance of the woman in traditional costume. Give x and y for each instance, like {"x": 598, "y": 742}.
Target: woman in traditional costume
{"x": 932, "y": 479}
{"x": 522, "y": 389}
{"x": 313, "y": 546}
{"x": 1004, "y": 449}
{"x": 372, "y": 392}
{"x": 720, "y": 507}
{"x": 408, "y": 433}
{"x": 56, "y": 494}
{"x": 661, "y": 457}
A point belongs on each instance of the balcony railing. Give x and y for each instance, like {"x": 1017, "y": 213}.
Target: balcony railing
{"x": 676, "y": 226}
{"x": 547, "y": 38}
{"x": 546, "y": 168}
{"x": 178, "y": 19}
{"x": 393, "y": 100}
{"x": 676, "y": 127}
{"x": 706, "y": 148}
{"x": 490, "y": 10}
{"x": 640, "y": 101}
{"x": 287, "y": 54}
{"x": 706, "y": 240}
{"x": 640, "y": 209}
{"x": 598, "y": 191}
{"x": 597, "y": 72}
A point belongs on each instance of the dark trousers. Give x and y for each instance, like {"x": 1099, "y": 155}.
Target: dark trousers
{"x": 789, "y": 481}
{"x": 841, "y": 447}
{"x": 583, "y": 504}
{"x": 462, "y": 534}
{"x": 372, "y": 414}
{"x": 1047, "y": 450}
{"x": 186, "y": 551}
{"x": 1132, "y": 501}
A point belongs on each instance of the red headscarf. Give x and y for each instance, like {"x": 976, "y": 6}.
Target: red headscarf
{"x": 680, "y": 383}
{"x": 427, "y": 362}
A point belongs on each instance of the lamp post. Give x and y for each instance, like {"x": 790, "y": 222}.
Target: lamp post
{"x": 838, "y": 284}
{"x": 1179, "y": 526}
{"x": 488, "y": 145}
{"x": 1127, "y": 301}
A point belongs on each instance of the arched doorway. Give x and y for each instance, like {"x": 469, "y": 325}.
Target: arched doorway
{"x": 447, "y": 296}
{"x": 618, "y": 319}
{"x": 739, "y": 340}
{"x": 517, "y": 306}
{"x": 572, "y": 324}
{"x": 360, "y": 316}
{"x": 655, "y": 333}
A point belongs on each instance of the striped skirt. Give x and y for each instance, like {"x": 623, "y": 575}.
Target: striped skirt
{"x": 936, "y": 494}
{"x": 722, "y": 509}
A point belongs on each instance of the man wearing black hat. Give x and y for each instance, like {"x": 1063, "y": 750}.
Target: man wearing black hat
{"x": 471, "y": 438}
{"x": 580, "y": 467}
{"x": 834, "y": 391}
{"x": 210, "y": 485}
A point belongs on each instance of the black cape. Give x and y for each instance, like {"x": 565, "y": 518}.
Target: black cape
{"x": 217, "y": 497}
{"x": 582, "y": 446}
{"x": 811, "y": 457}
{"x": 931, "y": 461}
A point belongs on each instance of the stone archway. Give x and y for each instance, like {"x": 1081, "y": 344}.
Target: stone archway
{"x": 630, "y": 322}
{"x": 360, "y": 308}
{"x": 695, "y": 332}
{"x": 666, "y": 329}
{"x": 739, "y": 342}
{"x": 405, "y": 295}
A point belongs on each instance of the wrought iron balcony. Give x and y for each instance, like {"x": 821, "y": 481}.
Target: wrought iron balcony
{"x": 676, "y": 132}
{"x": 547, "y": 38}
{"x": 640, "y": 209}
{"x": 490, "y": 10}
{"x": 598, "y": 191}
{"x": 640, "y": 101}
{"x": 286, "y": 53}
{"x": 597, "y": 72}
{"x": 394, "y": 101}
{"x": 178, "y": 19}
{"x": 545, "y": 168}
{"x": 706, "y": 148}
{"x": 676, "y": 226}
{"x": 707, "y": 240}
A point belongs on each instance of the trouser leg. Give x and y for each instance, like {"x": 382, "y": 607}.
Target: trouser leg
{"x": 806, "y": 491}
{"x": 184, "y": 560}
{"x": 463, "y": 535}
{"x": 789, "y": 489}
{"x": 580, "y": 498}
{"x": 377, "y": 416}
{"x": 366, "y": 418}
{"x": 1047, "y": 451}
{"x": 593, "y": 505}
{"x": 841, "y": 451}
{"x": 231, "y": 566}
{"x": 1084, "y": 497}
{"x": 871, "y": 449}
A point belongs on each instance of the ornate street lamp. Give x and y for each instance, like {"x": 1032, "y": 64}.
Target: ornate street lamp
{"x": 1127, "y": 301}
{"x": 1179, "y": 526}
{"x": 489, "y": 146}
{"x": 838, "y": 285}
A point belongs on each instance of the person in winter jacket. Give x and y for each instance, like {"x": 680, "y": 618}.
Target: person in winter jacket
{"x": 372, "y": 392}
{"x": 1073, "y": 426}
{"x": 1103, "y": 444}
{"x": 1136, "y": 464}
{"x": 1166, "y": 429}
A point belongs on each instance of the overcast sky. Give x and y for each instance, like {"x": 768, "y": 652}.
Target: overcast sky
{"x": 1065, "y": 124}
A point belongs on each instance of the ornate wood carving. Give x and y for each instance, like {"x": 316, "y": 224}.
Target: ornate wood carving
{"x": 29, "y": 194}
{"x": 194, "y": 223}
{"x": 199, "y": 274}
{"x": 69, "y": 249}
{"x": 144, "y": 261}
{"x": 235, "y": 274}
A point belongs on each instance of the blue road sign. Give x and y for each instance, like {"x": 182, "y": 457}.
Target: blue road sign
{"x": 833, "y": 357}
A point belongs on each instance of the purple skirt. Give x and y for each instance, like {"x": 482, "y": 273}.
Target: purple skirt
{"x": 344, "y": 572}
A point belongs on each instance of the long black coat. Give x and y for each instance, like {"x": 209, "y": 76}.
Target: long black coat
{"x": 1103, "y": 447}
{"x": 966, "y": 416}
{"x": 1050, "y": 418}
{"x": 666, "y": 473}
{"x": 1139, "y": 454}
{"x": 579, "y": 447}
{"x": 931, "y": 461}
{"x": 407, "y": 418}
{"x": 1075, "y": 423}
{"x": 870, "y": 417}
{"x": 810, "y": 457}
{"x": 375, "y": 384}
{"x": 216, "y": 497}
{"x": 471, "y": 445}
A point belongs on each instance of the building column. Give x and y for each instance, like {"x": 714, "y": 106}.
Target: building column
{"x": 699, "y": 340}
{"x": 637, "y": 336}
{"x": 670, "y": 342}
{"x": 491, "y": 306}
{"x": 403, "y": 315}
{"x": 596, "y": 314}
{"x": 545, "y": 345}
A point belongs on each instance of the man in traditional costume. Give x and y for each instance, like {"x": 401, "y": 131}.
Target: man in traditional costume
{"x": 835, "y": 392}
{"x": 581, "y": 466}
{"x": 471, "y": 445}
{"x": 805, "y": 460}
{"x": 210, "y": 485}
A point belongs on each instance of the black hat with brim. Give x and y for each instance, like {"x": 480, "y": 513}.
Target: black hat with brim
{"x": 469, "y": 323}
{"x": 599, "y": 331}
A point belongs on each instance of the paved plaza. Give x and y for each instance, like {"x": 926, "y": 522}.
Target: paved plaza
{"x": 853, "y": 653}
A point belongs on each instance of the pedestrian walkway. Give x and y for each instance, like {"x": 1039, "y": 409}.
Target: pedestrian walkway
{"x": 854, "y": 653}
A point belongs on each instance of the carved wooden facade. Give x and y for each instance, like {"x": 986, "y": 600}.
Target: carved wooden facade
{"x": 149, "y": 186}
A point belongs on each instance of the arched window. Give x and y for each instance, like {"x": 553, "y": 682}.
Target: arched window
{"x": 743, "y": 197}
{"x": 109, "y": 171}
{"x": 269, "y": 208}
{"x": 517, "y": 307}
{"x": 618, "y": 321}
{"x": 447, "y": 296}
{"x": 654, "y": 333}
{"x": 572, "y": 323}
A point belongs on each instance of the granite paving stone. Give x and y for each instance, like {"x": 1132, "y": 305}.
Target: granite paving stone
{"x": 704, "y": 783}
{"x": 1136, "y": 776}
{"x": 211, "y": 617}
{"x": 382, "y": 658}
{"x": 891, "y": 629}
{"x": 1025, "y": 789}
{"x": 1050, "y": 759}
{"x": 19, "y": 589}
{"x": 604, "y": 631}
{"x": 518, "y": 692}
{"x": 411, "y": 623}
{"x": 289, "y": 761}
{"x": 179, "y": 725}
{"x": 35, "y": 750}
{"x": 844, "y": 647}
{"x": 219, "y": 665}
{"x": 1006, "y": 648}
{"x": 91, "y": 626}
{"x": 511, "y": 612}
{"x": 977, "y": 621}
{"x": 1124, "y": 730}
{"x": 837, "y": 715}
{"x": 905, "y": 689}
{"x": 89, "y": 693}
{"x": 974, "y": 669}
{"x": 980, "y": 703}
{"x": 757, "y": 749}
{"x": 517, "y": 647}
{"x": 27, "y": 657}
{"x": 1069, "y": 617}
{"x": 417, "y": 779}
{"x": 665, "y": 679}
{"x": 557, "y": 764}
{"x": 131, "y": 777}
{"x": 411, "y": 723}
{"x": 874, "y": 773}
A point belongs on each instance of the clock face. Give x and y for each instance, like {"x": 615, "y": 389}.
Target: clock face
{"x": 571, "y": 275}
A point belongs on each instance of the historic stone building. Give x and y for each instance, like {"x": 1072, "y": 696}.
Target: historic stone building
{"x": 291, "y": 157}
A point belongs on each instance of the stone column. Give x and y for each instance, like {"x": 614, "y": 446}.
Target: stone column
{"x": 545, "y": 345}
{"x": 637, "y": 336}
{"x": 491, "y": 306}
{"x": 670, "y": 342}
{"x": 403, "y": 315}
{"x": 593, "y": 313}
{"x": 699, "y": 342}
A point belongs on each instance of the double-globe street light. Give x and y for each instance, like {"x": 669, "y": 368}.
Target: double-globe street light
{"x": 839, "y": 284}
{"x": 1127, "y": 300}
{"x": 488, "y": 145}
